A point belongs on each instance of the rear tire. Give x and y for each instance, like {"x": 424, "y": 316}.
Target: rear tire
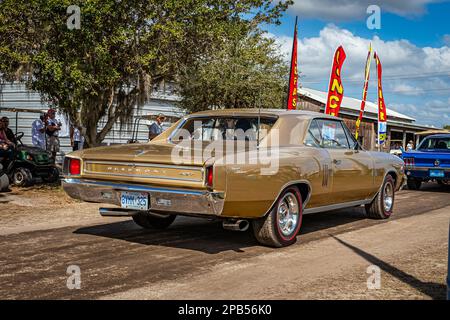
{"x": 22, "y": 177}
{"x": 149, "y": 221}
{"x": 413, "y": 184}
{"x": 383, "y": 204}
{"x": 281, "y": 225}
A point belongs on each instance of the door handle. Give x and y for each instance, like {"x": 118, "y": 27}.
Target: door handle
{"x": 335, "y": 161}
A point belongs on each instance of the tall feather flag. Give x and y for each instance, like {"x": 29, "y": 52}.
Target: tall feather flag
{"x": 335, "y": 88}
{"x": 293, "y": 75}
{"x": 382, "y": 112}
{"x": 364, "y": 95}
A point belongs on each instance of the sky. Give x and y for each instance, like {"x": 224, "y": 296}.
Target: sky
{"x": 413, "y": 44}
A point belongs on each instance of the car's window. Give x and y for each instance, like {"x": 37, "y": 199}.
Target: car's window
{"x": 441, "y": 144}
{"x": 333, "y": 134}
{"x": 351, "y": 139}
{"x": 224, "y": 128}
{"x": 313, "y": 137}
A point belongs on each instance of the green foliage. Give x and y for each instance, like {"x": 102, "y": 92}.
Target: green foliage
{"x": 447, "y": 127}
{"x": 107, "y": 67}
{"x": 246, "y": 72}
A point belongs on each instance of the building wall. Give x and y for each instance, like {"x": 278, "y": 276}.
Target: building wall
{"x": 17, "y": 96}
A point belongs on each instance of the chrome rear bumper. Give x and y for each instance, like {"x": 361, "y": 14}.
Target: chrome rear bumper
{"x": 165, "y": 200}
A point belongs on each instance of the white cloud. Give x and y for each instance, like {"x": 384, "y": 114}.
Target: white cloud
{"x": 339, "y": 10}
{"x": 398, "y": 57}
{"x": 406, "y": 89}
{"x": 413, "y": 77}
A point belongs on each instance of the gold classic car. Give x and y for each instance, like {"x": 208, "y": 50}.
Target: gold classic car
{"x": 261, "y": 167}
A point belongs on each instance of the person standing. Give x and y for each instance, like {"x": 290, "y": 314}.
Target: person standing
{"x": 156, "y": 128}
{"x": 38, "y": 132}
{"x": 51, "y": 131}
{"x": 410, "y": 146}
{"x": 76, "y": 138}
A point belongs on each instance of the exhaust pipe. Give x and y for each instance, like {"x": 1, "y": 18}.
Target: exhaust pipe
{"x": 236, "y": 225}
{"x": 116, "y": 212}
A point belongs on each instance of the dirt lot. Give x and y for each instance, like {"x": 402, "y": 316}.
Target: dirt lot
{"x": 42, "y": 232}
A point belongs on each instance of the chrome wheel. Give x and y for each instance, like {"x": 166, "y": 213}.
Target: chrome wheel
{"x": 288, "y": 214}
{"x": 388, "y": 196}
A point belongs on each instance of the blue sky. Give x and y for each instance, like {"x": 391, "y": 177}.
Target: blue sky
{"x": 413, "y": 44}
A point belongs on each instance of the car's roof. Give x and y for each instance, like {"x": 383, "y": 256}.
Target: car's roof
{"x": 264, "y": 112}
{"x": 441, "y": 135}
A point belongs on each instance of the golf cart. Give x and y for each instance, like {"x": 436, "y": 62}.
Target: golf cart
{"x": 150, "y": 117}
{"x": 29, "y": 162}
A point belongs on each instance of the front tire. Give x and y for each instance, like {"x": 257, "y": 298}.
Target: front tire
{"x": 149, "y": 221}
{"x": 281, "y": 225}
{"x": 22, "y": 177}
{"x": 383, "y": 204}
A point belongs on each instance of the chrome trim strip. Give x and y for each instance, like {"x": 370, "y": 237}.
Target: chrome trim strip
{"x": 137, "y": 164}
{"x": 141, "y": 164}
{"x": 337, "y": 206}
{"x": 120, "y": 186}
{"x": 141, "y": 176}
{"x": 408, "y": 168}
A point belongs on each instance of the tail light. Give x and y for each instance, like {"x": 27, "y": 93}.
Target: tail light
{"x": 409, "y": 162}
{"x": 209, "y": 176}
{"x": 74, "y": 166}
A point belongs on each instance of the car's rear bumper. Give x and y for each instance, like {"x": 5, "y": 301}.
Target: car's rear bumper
{"x": 424, "y": 172}
{"x": 165, "y": 200}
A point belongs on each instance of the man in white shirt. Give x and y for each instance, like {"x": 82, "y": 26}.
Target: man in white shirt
{"x": 38, "y": 132}
{"x": 52, "y": 129}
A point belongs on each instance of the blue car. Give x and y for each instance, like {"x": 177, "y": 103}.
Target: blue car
{"x": 430, "y": 161}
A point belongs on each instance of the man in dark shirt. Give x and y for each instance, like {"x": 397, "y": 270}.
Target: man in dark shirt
{"x": 9, "y": 133}
{"x": 156, "y": 128}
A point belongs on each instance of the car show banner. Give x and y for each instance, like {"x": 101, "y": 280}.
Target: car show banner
{"x": 382, "y": 115}
{"x": 364, "y": 95}
{"x": 293, "y": 77}
{"x": 335, "y": 88}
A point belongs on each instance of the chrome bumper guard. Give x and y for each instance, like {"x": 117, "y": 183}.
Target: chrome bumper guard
{"x": 165, "y": 200}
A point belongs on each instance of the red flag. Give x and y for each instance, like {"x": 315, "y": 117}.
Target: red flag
{"x": 293, "y": 77}
{"x": 335, "y": 88}
{"x": 382, "y": 112}
{"x": 364, "y": 96}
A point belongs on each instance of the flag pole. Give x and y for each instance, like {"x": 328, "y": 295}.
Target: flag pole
{"x": 292, "y": 57}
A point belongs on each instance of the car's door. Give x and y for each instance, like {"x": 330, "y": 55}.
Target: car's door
{"x": 352, "y": 168}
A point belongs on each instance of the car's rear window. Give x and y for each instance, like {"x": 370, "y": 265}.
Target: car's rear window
{"x": 441, "y": 144}
{"x": 224, "y": 128}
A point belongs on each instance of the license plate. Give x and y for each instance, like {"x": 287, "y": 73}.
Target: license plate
{"x": 134, "y": 200}
{"x": 437, "y": 173}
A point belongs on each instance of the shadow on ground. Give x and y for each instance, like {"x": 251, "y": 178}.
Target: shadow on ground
{"x": 208, "y": 236}
{"x": 431, "y": 289}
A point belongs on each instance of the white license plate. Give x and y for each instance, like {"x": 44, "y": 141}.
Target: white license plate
{"x": 437, "y": 173}
{"x": 134, "y": 200}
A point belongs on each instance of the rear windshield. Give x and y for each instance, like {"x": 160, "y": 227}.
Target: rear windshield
{"x": 224, "y": 128}
{"x": 440, "y": 144}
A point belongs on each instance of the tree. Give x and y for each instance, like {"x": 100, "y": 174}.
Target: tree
{"x": 107, "y": 67}
{"x": 247, "y": 72}
{"x": 447, "y": 127}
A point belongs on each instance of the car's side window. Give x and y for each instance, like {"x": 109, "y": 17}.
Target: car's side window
{"x": 351, "y": 139}
{"x": 333, "y": 134}
{"x": 313, "y": 137}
